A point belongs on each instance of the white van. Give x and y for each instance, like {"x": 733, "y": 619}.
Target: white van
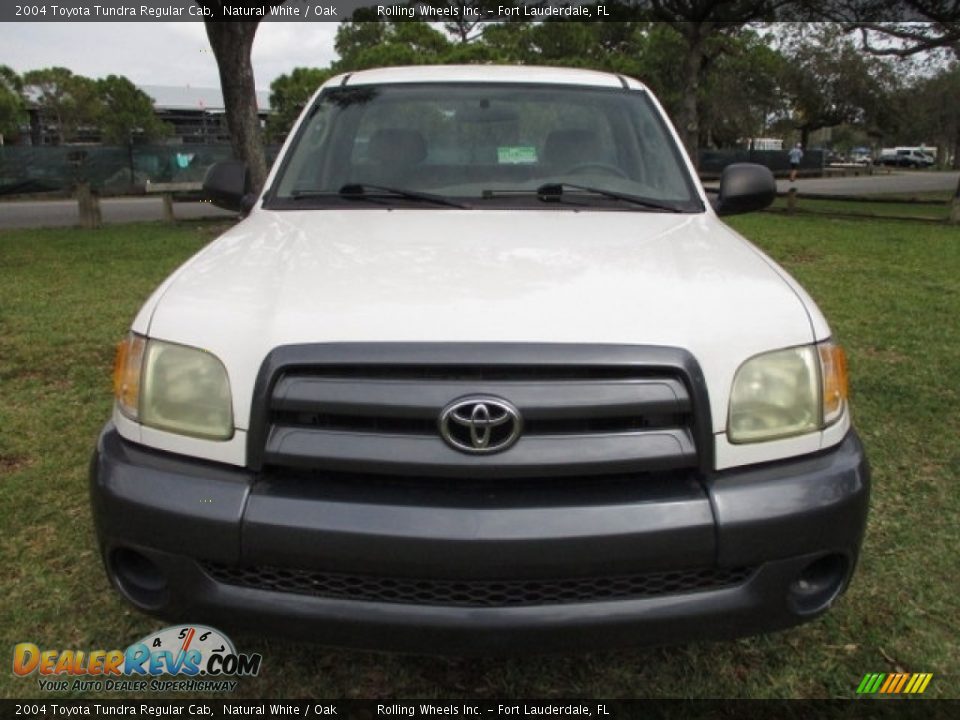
{"x": 914, "y": 157}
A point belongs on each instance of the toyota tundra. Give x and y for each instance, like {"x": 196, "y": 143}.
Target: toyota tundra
{"x": 482, "y": 370}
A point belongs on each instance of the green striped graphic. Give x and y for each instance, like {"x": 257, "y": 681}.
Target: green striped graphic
{"x": 877, "y": 682}
{"x": 862, "y": 688}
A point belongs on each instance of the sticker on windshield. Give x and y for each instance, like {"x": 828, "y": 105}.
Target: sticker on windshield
{"x": 516, "y": 154}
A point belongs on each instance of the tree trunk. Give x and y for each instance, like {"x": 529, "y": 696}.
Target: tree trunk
{"x": 232, "y": 43}
{"x": 804, "y": 137}
{"x": 36, "y": 128}
{"x": 688, "y": 119}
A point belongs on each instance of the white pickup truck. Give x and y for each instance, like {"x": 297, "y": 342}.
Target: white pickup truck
{"x": 482, "y": 370}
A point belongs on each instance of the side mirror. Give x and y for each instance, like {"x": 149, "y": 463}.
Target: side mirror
{"x": 227, "y": 185}
{"x": 745, "y": 187}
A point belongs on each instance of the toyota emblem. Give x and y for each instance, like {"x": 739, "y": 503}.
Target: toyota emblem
{"x": 480, "y": 424}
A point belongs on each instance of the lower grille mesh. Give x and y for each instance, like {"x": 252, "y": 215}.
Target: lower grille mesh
{"x": 476, "y": 593}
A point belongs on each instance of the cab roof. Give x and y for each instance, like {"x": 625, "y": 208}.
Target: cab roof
{"x": 485, "y": 73}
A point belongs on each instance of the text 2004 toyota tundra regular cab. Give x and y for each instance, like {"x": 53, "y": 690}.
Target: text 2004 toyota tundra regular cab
{"x": 482, "y": 370}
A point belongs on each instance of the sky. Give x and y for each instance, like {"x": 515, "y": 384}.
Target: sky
{"x": 176, "y": 53}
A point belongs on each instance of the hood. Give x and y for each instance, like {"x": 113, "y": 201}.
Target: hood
{"x": 363, "y": 275}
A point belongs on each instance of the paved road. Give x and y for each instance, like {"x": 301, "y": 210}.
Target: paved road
{"x": 897, "y": 181}
{"x": 63, "y": 213}
{"x": 902, "y": 181}
{"x": 60, "y": 213}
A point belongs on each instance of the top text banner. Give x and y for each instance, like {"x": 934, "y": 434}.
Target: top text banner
{"x": 469, "y": 11}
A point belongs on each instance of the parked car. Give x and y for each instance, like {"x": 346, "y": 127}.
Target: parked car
{"x": 906, "y": 157}
{"x": 482, "y": 371}
{"x": 861, "y": 156}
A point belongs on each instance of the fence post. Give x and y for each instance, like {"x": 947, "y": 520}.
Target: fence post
{"x": 168, "y": 207}
{"x": 88, "y": 207}
{"x": 791, "y": 201}
{"x": 955, "y": 207}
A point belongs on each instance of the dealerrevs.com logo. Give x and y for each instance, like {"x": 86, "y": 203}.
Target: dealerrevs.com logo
{"x": 204, "y": 656}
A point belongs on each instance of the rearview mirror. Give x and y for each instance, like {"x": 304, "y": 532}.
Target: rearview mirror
{"x": 745, "y": 187}
{"x": 227, "y": 185}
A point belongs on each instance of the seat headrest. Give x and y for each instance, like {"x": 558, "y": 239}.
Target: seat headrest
{"x": 397, "y": 146}
{"x": 572, "y": 146}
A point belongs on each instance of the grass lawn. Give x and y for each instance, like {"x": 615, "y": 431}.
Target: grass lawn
{"x": 890, "y": 289}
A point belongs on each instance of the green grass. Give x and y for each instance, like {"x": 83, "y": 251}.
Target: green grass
{"x": 892, "y": 294}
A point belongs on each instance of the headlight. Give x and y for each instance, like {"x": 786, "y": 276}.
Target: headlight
{"x": 787, "y": 392}
{"x": 172, "y": 387}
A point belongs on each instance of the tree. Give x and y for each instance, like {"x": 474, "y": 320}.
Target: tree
{"x": 932, "y": 112}
{"x": 905, "y": 39}
{"x": 742, "y": 91}
{"x": 831, "y": 82}
{"x": 510, "y": 41}
{"x": 69, "y": 101}
{"x": 12, "y": 110}
{"x": 701, "y": 24}
{"x": 362, "y": 45}
{"x": 127, "y": 112}
{"x": 464, "y": 28}
{"x": 612, "y": 46}
{"x": 738, "y": 86}
{"x": 566, "y": 43}
{"x": 289, "y": 94}
{"x": 940, "y": 32}
{"x": 232, "y": 44}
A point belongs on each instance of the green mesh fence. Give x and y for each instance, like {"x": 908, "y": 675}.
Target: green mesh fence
{"x": 109, "y": 169}
{"x": 714, "y": 161}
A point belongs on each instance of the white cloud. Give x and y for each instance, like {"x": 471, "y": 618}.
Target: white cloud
{"x": 282, "y": 46}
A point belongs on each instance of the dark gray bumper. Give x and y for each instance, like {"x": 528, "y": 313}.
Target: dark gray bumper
{"x": 796, "y": 525}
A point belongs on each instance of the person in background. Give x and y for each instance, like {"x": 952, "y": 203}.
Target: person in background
{"x": 796, "y": 155}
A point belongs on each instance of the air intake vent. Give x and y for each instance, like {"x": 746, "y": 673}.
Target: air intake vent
{"x": 477, "y": 593}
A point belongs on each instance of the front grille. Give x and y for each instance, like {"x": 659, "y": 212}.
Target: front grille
{"x": 380, "y": 412}
{"x": 477, "y": 593}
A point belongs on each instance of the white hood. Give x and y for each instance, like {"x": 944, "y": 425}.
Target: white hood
{"x": 438, "y": 275}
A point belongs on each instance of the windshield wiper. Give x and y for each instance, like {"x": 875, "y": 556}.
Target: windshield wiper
{"x": 367, "y": 191}
{"x": 555, "y": 191}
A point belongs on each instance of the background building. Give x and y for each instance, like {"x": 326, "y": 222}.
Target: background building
{"x": 196, "y": 115}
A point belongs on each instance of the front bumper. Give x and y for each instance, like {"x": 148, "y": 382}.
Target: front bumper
{"x": 778, "y": 542}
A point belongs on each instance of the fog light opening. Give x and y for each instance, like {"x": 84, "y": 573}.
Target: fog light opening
{"x": 818, "y": 584}
{"x": 139, "y": 578}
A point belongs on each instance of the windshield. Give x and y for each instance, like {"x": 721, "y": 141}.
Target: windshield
{"x": 484, "y": 145}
